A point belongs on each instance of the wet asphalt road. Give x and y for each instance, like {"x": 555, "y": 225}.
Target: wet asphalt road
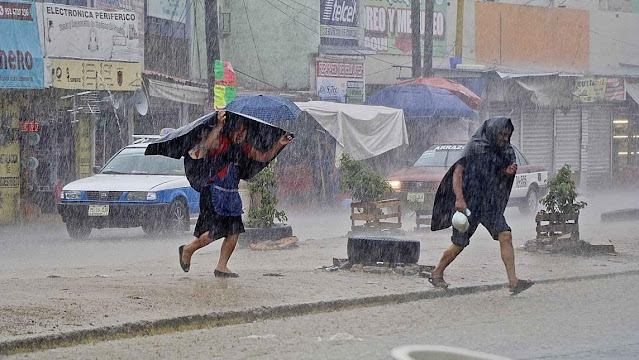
{"x": 585, "y": 320}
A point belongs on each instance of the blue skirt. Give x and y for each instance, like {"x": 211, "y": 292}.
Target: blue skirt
{"x": 217, "y": 225}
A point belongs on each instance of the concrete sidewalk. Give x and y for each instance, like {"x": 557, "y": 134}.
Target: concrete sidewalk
{"x": 56, "y": 306}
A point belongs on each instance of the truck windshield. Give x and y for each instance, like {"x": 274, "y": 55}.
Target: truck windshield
{"x": 439, "y": 156}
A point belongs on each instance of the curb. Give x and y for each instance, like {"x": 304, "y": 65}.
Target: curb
{"x": 211, "y": 320}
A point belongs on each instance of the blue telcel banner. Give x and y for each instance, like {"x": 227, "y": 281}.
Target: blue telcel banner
{"x": 21, "y": 63}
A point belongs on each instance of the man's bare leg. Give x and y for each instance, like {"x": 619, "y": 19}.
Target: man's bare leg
{"x": 225, "y": 253}
{"x": 196, "y": 244}
{"x": 508, "y": 255}
{"x": 449, "y": 255}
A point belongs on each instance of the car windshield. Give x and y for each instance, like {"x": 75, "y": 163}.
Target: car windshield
{"x": 439, "y": 156}
{"x": 132, "y": 161}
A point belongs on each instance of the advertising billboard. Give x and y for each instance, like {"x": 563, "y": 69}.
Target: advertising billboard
{"x": 21, "y": 64}
{"x": 387, "y": 27}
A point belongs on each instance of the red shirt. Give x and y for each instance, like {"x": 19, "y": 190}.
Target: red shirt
{"x": 224, "y": 142}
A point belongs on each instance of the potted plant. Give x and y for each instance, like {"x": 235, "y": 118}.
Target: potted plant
{"x": 368, "y": 190}
{"x": 263, "y": 213}
{"x": 561, "y": 215}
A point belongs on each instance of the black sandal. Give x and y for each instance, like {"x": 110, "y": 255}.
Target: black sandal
{"x": 184, "y": 266}
{"x": 438, "y": 282}
{"x": 223, "y": 274}
{"x": 520, "y": 286}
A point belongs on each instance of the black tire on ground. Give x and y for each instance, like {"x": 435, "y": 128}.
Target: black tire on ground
{"x": 362, "y": 250}
{"x": 531, "y": 203}
{"x": 276, "y": 232}
{"x": 78, "y": 230}
{"x": 177, "y": 218}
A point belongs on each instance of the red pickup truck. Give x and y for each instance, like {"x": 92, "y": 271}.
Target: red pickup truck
{"x": 416, "y": 185}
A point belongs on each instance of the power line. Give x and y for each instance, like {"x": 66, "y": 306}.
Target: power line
{"x": 197, "y": 39}
{"x": 256, "y": 79}
{"x": 253, "y": 37}
{"x": 308, "y": 7}
{"x": 182, "y": 17}
{"x": 315, "y": 32}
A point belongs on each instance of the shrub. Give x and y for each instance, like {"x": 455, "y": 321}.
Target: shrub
{"x": 561, "y": 194}
{"x": 362, "y": 181}
{"x": 262, "y": 189}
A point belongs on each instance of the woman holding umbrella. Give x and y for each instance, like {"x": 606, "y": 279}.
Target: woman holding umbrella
{"x": 220, "y": 203}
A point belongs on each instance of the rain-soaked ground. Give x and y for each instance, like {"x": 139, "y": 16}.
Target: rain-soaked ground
{"x": 46, "y": 244}
{"x": 53, "y": 284}
{"x": 585, "y": 320}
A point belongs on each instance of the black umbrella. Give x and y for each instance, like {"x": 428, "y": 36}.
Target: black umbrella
{"x": 260, "y": 135}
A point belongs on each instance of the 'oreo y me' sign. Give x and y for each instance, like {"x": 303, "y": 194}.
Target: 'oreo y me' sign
{"x": 338, "y": 22}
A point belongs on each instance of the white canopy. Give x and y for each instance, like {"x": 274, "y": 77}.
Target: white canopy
{"x": 363, "y": 131}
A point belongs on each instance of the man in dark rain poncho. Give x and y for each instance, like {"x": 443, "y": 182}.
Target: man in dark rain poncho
{"x": 480, "y": 181}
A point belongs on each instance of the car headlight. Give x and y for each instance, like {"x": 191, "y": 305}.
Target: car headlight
{"x": 141, "y": 196}
{"x": 71, "y": 195}
{"x": 395, "y": 184}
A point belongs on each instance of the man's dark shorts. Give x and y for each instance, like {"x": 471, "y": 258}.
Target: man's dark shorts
{"x": 494, "y": 223}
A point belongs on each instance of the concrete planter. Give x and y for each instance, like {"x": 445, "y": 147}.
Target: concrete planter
{"x": 253, "y": 235}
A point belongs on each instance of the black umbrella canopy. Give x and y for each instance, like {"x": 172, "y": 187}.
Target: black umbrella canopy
{"x": 260, "y": 135}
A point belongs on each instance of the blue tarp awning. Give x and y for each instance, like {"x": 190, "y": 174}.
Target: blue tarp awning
{"x": 419, "y": 100}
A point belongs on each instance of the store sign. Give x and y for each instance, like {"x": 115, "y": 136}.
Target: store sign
{"x": 600, "y": 89}
{"x": 387, "y": 26}
{"x": 30, "y": 126}
{"x": 94, "y": 75}
{"x": 136, "y": 6}
{"x": 339, "y": 22}
{"x": 82, "y": 136}
{"x": 21, "y": 63}
{"x": 173, "y": 10}
{"x": 86, "y": 33}
{"x": 9, "y": 163}
{"x": 340, "y": 81}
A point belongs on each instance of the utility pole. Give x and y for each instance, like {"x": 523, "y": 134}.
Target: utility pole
{"x": 427, "y": 70}
{"x": 212, "y": 43}
{"x": 459, "y": 31}
{"x": 414, "y": 26}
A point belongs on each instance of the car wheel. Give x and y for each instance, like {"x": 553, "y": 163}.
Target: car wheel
{"x": 531, "y": 203}
{"x": 78, "y": 230}
{"x": 177, "y": 219}
{"x": 366, "y": 250}
{"x": 152, "y": 228}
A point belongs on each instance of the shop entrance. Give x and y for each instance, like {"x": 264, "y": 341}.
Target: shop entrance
{"x": 625, "y": 150}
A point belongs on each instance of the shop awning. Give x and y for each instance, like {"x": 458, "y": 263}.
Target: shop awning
{"x": 363, "y": 131}
{"x": 632, "y": 89}
{"x": 547, "y": 89}
{"x": 178, "y": 92}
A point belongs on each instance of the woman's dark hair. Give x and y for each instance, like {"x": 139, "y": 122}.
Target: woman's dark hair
{"x": 233, "y": 123}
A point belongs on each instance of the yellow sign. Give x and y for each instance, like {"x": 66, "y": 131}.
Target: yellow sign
{"x": 9, "y": 163}
{"x": 82, "y": 135}
{"x": 94, "y": 75}
{"x": 600, "y": 89}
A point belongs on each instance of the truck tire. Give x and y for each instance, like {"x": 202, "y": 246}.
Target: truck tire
{"x": 362, "y": 250}
{"x": 530, "y": 204}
